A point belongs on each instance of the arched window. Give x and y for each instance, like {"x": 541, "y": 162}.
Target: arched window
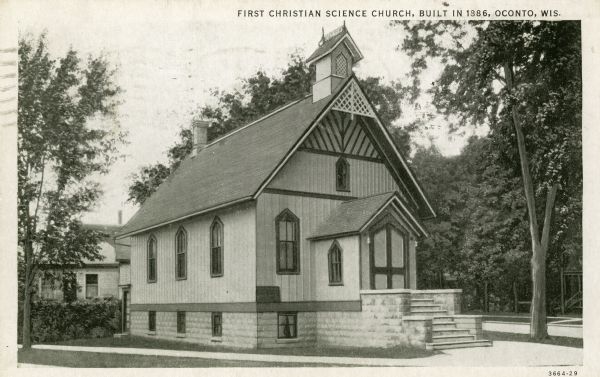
{"x": 181, "y": 254}
{"x": 334, "y": 257}
{"x": 341, "y": 66}
{"x": 216, "y": 248}
{"x": 151, "y": 256}
{"x": 287, "y": 229}
{"x": 342, "y": 175}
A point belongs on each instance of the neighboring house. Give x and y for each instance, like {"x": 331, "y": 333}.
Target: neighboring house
{"x": 297, "y": 229}
{"x": 95, "y": 279}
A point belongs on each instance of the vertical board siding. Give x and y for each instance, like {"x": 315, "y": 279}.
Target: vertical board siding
{"x": 311, "y": 212}
{"x": 350, "y": 270}
{"x": 238, "y": 283}
{"x": 313, "y": 172}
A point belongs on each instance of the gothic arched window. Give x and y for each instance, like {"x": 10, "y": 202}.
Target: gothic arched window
{"x": 334, "y": 259}
{"x": 342, "y": 175}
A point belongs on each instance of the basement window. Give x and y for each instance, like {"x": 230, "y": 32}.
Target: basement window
{"x": 217, "y": 324}
{"x": 152, "y": 321}
{"x": 180, "y": 322}
{"x": 287, "y": 324}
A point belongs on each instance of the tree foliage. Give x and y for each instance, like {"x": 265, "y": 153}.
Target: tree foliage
{"x": 63, "y": 140}
{"x": 259, "y": 95}
{"x": 523, "y": 80}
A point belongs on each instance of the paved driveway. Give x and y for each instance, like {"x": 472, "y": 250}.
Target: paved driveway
{"x": 505, "y": 354}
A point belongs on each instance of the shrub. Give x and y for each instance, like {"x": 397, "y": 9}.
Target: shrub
{"x": 53, "y": 321}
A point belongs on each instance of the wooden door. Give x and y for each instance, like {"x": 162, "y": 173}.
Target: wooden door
{"x": 388, "y": 257}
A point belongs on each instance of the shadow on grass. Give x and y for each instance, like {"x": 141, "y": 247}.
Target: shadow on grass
{"x": 554, "y": 340}
{"x": 153, "y": 343}
{"x": 73, "y": 359}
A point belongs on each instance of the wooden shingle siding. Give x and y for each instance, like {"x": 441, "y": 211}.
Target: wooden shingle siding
{"x": 313, "y": 172}
{"x": 310, "y": 211}
{"x": 238, "y": 283}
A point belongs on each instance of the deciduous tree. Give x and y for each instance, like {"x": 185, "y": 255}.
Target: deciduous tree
{"x": 523, "y": 80}
{"x": 66, "y": 134}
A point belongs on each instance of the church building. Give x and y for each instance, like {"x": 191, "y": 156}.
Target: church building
{"x": 295, "y": 230}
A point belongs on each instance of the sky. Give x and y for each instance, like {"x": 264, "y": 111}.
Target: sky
{"x": 169, "y": 55}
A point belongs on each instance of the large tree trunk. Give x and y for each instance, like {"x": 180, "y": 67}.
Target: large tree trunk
{"x": 27, "y": 295}
{"x": 539, "y": 247}
{"x": 537, "y": 328}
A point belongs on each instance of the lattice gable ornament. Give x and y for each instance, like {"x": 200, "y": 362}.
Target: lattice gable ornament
{"x": 352, "y": 101}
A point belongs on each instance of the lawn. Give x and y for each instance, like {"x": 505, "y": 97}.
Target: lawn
{"x": 555, "y": 340}
{"x": 104, "y": 360}
{"x": 143, "y": 342}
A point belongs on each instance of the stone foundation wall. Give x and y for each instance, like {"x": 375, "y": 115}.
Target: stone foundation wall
{"x": 239, "y": 329}
{"x": 383, "y": 322}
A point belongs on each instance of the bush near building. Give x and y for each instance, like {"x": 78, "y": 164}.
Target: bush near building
{"x": 56, "y": 321}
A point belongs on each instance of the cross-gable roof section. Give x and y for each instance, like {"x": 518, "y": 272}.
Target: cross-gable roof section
{"x": 353, "y": 216}
{"x": 229, "y": 170}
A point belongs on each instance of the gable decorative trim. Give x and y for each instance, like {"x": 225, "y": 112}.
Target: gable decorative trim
{"x": 340, "y": 133}
{"x": 352, "y": 101}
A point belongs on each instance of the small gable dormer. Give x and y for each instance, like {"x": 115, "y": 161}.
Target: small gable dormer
{"x": 334, "y": 61}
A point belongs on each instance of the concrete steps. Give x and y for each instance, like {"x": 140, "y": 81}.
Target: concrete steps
{"x": 428, "y": 311}
{"x": 463, "y": 344}
{"x": 452, "y": 338}
{"x": 450, "y": 331}
{"x": 445, "y": 334}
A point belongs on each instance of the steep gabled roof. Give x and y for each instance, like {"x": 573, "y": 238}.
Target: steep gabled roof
{"x": 229, "y": 170}
{"x": 353, "y": 216}
{"x": 237, "y": 167}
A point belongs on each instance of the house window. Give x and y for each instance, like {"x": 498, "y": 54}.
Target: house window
{"x": 341, "y": 65}
{"x": 334, "y": 257}
{"x": 152, "y": 321}
{"x": 152, "y": 259}
{"x": 216, "y": 248}
{"x": 181, "y": 254}
{"x": 217, "y": 324}
{"x": 91, "y": 285}
{"x": 287, "y": 324}
{"x": 342, "y": 175}
{"x": 180, "y": 322}
{"x": 287, "y": 229}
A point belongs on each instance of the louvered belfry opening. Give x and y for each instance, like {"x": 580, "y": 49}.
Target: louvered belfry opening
{"x": 334, "y": 60}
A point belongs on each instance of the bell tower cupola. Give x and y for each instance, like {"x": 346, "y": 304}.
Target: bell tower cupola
{"x": 334, "y": 60}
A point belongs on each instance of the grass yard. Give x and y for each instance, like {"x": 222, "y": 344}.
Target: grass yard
{"x": 555, "y": 340}
{"x": 143, "y": 342}
{"x": 106, "y": 360}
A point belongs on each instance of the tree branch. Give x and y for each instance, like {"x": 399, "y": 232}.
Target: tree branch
{"x": 527, "y": 181}
{"x": 550, "y": 198}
